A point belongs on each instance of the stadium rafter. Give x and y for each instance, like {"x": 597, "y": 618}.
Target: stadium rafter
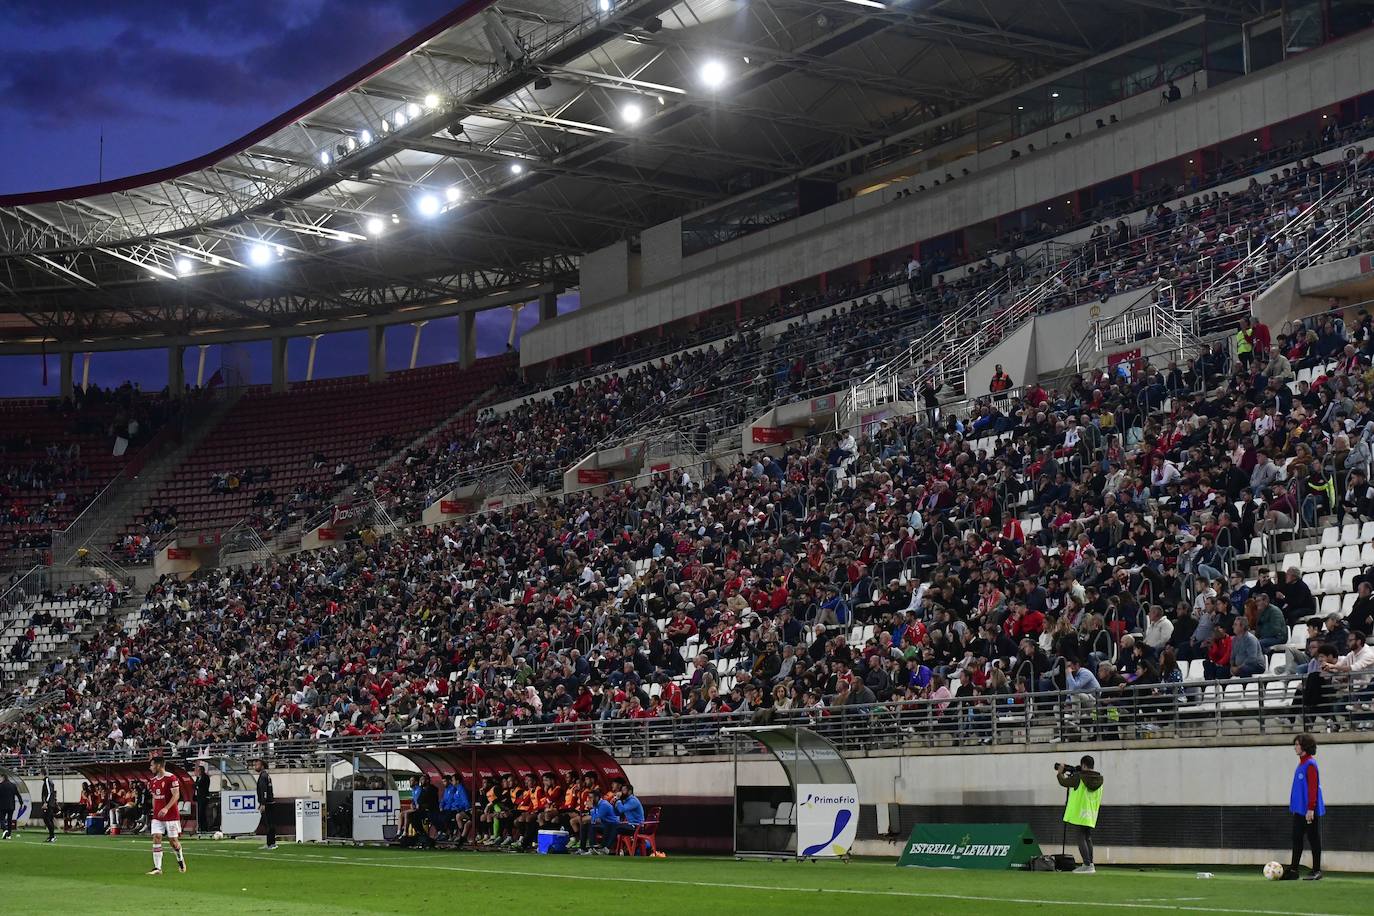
{"x": 508, "y": 138}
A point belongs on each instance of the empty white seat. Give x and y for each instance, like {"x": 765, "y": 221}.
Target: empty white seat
{"x": 1312, "y": 560}
{"x": 1350, "y": 536}
{"x": 1348, "y": 580}
{"x": 1331, "y": 537}
{"x": 1350, "y": 556}
{"x": 1314, "y": 582}
{"x": 783, "y": 816}
{"x": 1331, "y": 582}
{"x": 1367, "y": 554}
{"x": 1367, "y": 532}
{"x": 1348, "y": 602}
{"x": 1331, "y": 604}
{"x": 1291, "y": 561}
{"x": 1331, "y": 558}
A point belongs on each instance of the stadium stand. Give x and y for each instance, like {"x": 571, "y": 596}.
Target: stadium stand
{"x": 923, "y": 571}
{"x": 711, "y": 389}
{"x": 56, "y": 456}
{"x": 932, "y": 568}
{"x": 278, "y": 458}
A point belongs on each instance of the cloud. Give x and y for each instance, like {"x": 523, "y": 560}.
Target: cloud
{"x": 86, "y": 61}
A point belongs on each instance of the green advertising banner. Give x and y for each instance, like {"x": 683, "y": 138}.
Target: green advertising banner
{"x": 970, "y": 846}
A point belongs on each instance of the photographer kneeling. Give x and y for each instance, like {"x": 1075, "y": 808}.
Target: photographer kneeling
{"x": 1085, "y": 798}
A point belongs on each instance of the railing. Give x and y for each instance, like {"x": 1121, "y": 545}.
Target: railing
{"x": 1192, "y": 710}
{"x": 1204, "y": 312}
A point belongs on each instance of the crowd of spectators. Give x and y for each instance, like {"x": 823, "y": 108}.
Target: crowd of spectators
{"x": 1142, "y": 484}
{"x": 635, "y": 603}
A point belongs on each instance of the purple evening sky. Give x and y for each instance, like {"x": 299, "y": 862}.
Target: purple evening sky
{"x": 166, "y": 82}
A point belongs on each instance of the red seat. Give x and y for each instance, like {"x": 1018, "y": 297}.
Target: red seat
{"x": 644, "y": 840}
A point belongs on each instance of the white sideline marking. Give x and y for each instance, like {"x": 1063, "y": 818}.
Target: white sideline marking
{"x": 724, "y": 885}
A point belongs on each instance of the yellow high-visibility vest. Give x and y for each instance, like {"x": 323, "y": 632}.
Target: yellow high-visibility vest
{"x": 1083, "y": 806}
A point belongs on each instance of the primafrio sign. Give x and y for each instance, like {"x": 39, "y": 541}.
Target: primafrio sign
{"x": 827, "y": 819}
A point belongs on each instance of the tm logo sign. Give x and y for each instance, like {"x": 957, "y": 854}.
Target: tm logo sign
{"x": 378, "y": 804}
{"x": 243, "y": 803}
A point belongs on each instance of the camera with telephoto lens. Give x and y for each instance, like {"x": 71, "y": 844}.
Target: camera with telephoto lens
{"x": 1066, "y": 767}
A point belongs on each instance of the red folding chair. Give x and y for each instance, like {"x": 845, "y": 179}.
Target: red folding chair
{"x": 644, "y": 840}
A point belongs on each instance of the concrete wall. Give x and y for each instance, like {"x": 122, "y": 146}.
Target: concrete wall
{"x": 604, "y": 275}
{"x": 660, "y": 252}
{"x": 853, "y": 230}
{"x": 1196, "y": 777}
{"x": 1306, "y": 292}
{"x": 1016, "y": 354}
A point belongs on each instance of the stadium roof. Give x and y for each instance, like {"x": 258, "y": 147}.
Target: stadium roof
{"x": 482, "y": 156}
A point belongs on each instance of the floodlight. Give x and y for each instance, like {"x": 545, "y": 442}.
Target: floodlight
{"x": 712, "y": 74}
{"x": 453, "y": 193}
{"x": 260, "y": 255}
{"x": 375, "y": 226}
{"x": 428, "y": 205}
{"x": 431, "y": 101}
{"x": 185, "y": 266}
{"x": 631, "y": 113}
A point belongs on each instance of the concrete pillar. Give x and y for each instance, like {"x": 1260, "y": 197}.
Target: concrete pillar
{"x": 85, "y": 371}
{"x": 467, "y": 339}
{"x": 200, "y": 366}
{"x": 66, "y": 358}
{"x": 376, "y": 353}
{"x": 415, "y": 344}
{"x": 176, "y": 374}
{"x": 515, "y": 309}
{"x": 279, "y": 364}
{"x": 548, "y": 306}
{"x": 310, "y": 361}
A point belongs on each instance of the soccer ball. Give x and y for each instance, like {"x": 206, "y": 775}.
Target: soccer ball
{"x": 1273, "y": 871}
{"x": 219, "y": 835}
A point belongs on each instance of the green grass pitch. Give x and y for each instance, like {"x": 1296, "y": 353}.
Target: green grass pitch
{"x": 105, "y": 875}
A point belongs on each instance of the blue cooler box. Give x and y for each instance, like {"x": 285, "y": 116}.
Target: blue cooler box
{"x": 553, "y": 842}
{"x": 95, "y": 826}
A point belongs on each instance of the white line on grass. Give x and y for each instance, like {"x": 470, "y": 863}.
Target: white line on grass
{"x": 625, "y": 879}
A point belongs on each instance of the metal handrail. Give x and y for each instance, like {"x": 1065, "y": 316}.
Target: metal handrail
{"x": 1229, "y": 708}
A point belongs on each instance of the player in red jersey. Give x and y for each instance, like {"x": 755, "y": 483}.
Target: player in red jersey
{"x": 166, "y": 791}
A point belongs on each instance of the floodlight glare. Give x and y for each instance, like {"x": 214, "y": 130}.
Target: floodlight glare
{"x": 428, "y": 205}
{"x": 386, "y": 126}
{"x": 604, "y": 5}
{"x": 431, "y": 101}
{"x": 351, "y": 143}
{"x": 453, "y": 193}
{"x": 365, "y": 137}
{"x": 185, "y": 266}
{"x": 516, "y": 168}
{"x": 712, "y": 74}
{"x": 399, "y": 119}
{"x": 631, "y": 113}
{"x": 260, "y": 255}
{"x": 375, "y": 226}
{"x": 324, "y": 157}
{"x": 412, "y": 110}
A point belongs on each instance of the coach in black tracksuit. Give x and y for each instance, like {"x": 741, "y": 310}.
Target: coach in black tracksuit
{"x": 265, "y": 799}
{"x": 49, "y": 802}
{"x": 9, "y": 801}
